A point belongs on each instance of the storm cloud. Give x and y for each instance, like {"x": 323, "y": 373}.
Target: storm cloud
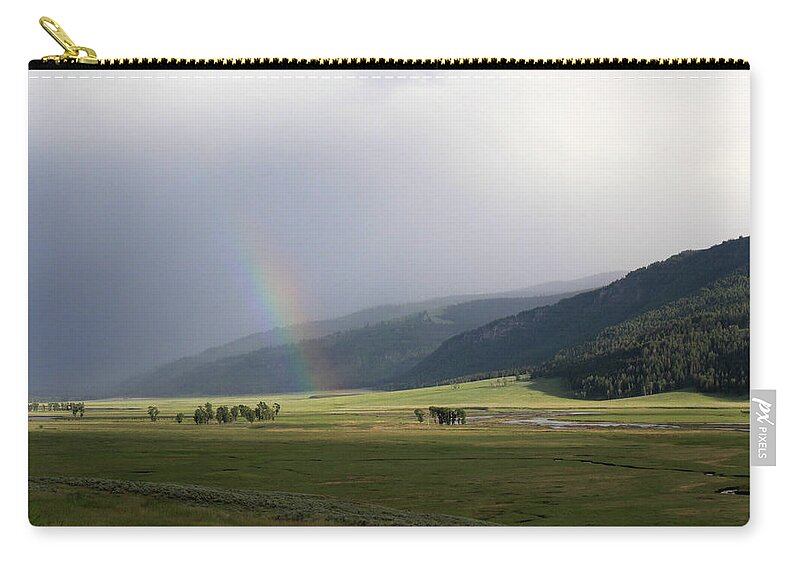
{"x": 173, "y": 211}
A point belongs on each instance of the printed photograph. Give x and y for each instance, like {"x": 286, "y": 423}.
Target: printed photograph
{"x": 390, "y": 297}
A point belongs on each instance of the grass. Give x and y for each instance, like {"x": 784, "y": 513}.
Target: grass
{"x": 367, "y": 449}
{"x": 540, "y": 394}
{"x": 204, "y": 505}
{"x": 67, "y": 505}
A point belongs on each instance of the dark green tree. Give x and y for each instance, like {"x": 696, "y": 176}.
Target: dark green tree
{"x": 248, "y": 413}
{"x": 153, "y": 412}
{"x": 200, "y": 415}
{"x": 223, "y": 415}
{"x": 264, "y": 412}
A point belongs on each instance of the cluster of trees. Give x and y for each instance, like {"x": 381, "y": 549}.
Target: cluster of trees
{"x": 77, "y": 408}
{"x": 504, "y": 381}
{"x": 205, "y": 413}
{"x": 700, "y": 341}
{"x": 446, "y": 416}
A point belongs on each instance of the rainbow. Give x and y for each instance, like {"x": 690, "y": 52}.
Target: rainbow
{"x": 276, "y": 297}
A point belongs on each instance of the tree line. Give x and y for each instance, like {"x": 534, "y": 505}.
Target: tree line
{"x": 205, "y": 413}
{"x": 262, "y": 412}
{"x": 77, "y": 408}
{"x": 516, "y": 373}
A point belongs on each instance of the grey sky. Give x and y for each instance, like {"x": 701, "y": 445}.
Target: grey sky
{"x": 163, "y": 205}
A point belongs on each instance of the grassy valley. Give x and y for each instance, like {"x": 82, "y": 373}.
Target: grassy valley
{"x": 363, "y": 456}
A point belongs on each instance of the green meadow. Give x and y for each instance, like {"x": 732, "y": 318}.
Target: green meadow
{"x": 362, "y": 458}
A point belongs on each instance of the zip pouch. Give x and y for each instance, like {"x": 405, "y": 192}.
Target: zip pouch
{"x": 382, "y": 292}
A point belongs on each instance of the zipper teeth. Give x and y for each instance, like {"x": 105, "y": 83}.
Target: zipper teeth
{"x": 390, "y": 63}
{"x": 421, "y": 63}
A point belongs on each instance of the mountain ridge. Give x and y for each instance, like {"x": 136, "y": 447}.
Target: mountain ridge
{"x": 531, "y": 337}
{"x": 356, "y": 358}
{"x": 365, "y": 317}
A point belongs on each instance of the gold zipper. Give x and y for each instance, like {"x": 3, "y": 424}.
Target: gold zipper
{"x": 75, "y": 55}
{"x": 72, "y": 53}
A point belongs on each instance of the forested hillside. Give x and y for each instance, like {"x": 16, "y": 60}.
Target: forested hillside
{"x": 532, "y": 337}
{"x": 701, "y": 341}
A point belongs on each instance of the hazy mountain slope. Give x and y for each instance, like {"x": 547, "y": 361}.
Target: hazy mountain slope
{"x": 171, "y": 371}
{"x": 700, "y": 341}
{"x": 366, "y": 356}
{"x": 556, "y": 287}
{"x": 532, "y": 337}
{"x": 373, "y": 315}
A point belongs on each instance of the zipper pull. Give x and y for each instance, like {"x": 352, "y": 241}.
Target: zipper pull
{"x": 72, "y": 52}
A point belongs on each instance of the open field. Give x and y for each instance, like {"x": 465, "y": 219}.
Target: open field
{"x": 367, "y": 450}
{"x": 540, "y": 394}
